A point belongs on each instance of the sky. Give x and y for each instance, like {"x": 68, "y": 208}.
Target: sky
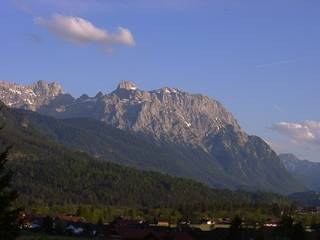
{"x": 260, "y": 58}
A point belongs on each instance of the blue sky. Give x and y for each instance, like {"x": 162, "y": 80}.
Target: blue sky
{"x": 259, "y": 58}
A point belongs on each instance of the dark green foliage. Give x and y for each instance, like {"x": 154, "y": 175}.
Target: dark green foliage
{"x": 276, "y": 210}
{"x": 285, "y": 228}
{"x": 8, "y": 214}
{"x": 126, "y": 148}
{"x": 49, "y": 174}
{"x": 315, "y": 227}
{"x": 47, "y": 224}
{"x": 236, "y": 228}
{"x": 298, "y": 232}
{"x": 261, "y": 167}
{"x": 290, "y": 230}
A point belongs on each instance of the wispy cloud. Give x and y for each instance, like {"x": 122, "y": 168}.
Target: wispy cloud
{"x": 34, "y": 38}
{"x": 282, "y": 62}
{"x": 22, "y": 6}
{"x": 277, "y": 108}
{"x": 306, "y": 132}
{"x": 81, "y": 31}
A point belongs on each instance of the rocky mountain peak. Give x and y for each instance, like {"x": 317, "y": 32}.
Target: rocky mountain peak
{"x": 43, "y": 87}
{"x": 289, "y": 157}
{"x": 166, "y": 113}
{"x": 30, "y": 97}
{"x": 202, "y": 133}
{"x": 126, "y": 85}
{"x": 99, "y": 95}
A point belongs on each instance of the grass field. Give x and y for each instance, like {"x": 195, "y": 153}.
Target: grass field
{"x": 41, "y": 236}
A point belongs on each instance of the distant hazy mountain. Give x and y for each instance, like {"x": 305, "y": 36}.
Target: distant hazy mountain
{"x": 309, "y": 198}
{"x": 305, "y": 171}
{"x": 198, "y": 136}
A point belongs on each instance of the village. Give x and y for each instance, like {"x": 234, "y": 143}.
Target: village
{"x": 70, "y": 225}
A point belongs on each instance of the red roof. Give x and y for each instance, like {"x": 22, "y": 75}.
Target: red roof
{"x": 274, "y": 220}
{"x": 70, "y": 218}
{"x": 31, "y": 217}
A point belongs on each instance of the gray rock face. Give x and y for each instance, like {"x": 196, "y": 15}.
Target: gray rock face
{"x": 210, "y": 146}
{"x": 30, "y": 97}
{"x": 166, "y": 113}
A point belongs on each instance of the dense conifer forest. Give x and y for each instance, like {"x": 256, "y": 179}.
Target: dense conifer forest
{"x": 47, "y": 173}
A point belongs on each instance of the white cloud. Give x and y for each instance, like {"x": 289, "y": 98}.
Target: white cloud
{"x": 124, "y": 36}
{"x": 81, "y": 31}
{"x": 306, "y": 132}
{"x": 277, "y": 108}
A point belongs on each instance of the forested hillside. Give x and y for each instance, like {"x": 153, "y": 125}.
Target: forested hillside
{"x": 48, "y": 173}
{"x": 167, "y": 130}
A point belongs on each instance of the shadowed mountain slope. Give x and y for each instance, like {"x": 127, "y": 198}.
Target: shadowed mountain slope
{"x": 190, "y": 136}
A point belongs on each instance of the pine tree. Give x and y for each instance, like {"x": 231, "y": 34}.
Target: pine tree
{"x": 236, "y": 228}
{"x": 8, "y": 214}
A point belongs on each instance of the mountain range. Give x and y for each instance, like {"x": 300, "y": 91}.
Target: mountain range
{"x": 305, "y": 171}
{"x": 166, "y": 130}
{"x": 47, "y": 173}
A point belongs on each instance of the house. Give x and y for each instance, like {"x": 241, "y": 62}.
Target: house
{"x": 163, "y": 223}
{"x": 223, "y": 223}
{"x": 272, "y": 223}
{"x": 75, "y": 229}
{"x": 31, "y": 221}
{"x": 184, "y": 222}
{"x": 208, "y": 222}
{"x": 70, "y": 218}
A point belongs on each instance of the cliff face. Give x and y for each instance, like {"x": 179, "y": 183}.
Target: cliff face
{"x": 166, "y": 113}
{"x": 30, "y": 97}
{"x": 205, "y": 139}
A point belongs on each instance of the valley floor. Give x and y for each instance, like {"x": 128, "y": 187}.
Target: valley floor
{"x": 43, "y": 236}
